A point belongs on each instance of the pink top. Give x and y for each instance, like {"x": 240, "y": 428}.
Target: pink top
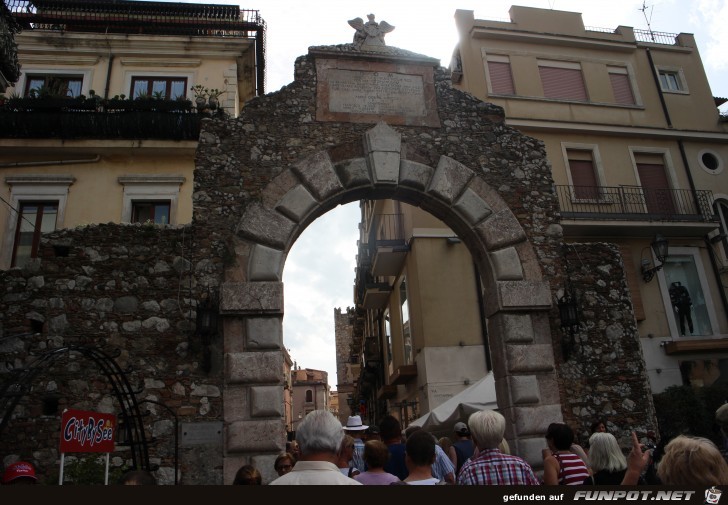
{"x": 376, "y": 478}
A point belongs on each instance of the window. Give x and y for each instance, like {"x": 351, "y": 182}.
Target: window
{"x": 621, "y": 87}
{"x": 691, "y": 310}
{"x": 406, "y": 329}
{"x": 658, "y": 195}
{"x": 583, "y": 176}
{"x": 150, "y": 211}
{"x": 55, "y": 84}
{"x": 309, "y": 396}
{"x": 168, "y": 87}
{"x": 34, "y": 218}
{"x": 672, "y": 80}
{"x": 39, "y": 204}
{"x": 150, "y": 197}
{"x": 562, "y": 80}
{"x": 710, "y": 161}
{"x": 499, "y": 73}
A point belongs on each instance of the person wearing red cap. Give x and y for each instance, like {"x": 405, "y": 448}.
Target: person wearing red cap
{"x": 20, "y": 472}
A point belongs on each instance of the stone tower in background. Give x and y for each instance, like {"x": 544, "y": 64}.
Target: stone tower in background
{"x": 347, "y": 366}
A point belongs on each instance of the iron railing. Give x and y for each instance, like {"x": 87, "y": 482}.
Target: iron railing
{"x": 635, "y": 203}
{"x": 100, "y": 125}
{"x": 666, "y": 38}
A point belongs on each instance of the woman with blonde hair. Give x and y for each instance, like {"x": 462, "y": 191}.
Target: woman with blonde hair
{"x": 692, "y": 461}
{"x": 608, "y": 463}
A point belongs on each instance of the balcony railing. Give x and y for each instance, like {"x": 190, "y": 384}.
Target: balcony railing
{"x": 100, "y": 125}
{"x": 635, "y": 203}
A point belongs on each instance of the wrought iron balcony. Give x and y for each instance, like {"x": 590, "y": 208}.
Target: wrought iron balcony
{"x": 174, "y": 125}
{"x": 635, "y": 203}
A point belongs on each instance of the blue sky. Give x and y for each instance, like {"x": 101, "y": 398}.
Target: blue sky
{"x": 319, "y": 271}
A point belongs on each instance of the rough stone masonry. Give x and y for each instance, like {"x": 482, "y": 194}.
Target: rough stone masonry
{"x": 260, "y": 179}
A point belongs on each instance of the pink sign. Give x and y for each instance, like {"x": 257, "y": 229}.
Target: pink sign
{"x": 86, "y": 431}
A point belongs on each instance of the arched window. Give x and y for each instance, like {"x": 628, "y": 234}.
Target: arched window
{"x": 309, "y": 396}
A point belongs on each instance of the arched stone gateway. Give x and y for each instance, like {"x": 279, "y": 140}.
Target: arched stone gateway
{"x": 388, "y": 124}
{"x": 517, "y": 303}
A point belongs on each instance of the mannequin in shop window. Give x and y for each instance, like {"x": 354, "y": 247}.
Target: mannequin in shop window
{"x": 682, "y": 304}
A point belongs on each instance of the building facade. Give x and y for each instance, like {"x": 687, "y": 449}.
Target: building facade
{"x": 638, "y": 149}
{"x": 101, "y": 125}
{"x": 423, "y": 339}
{"x": 310, "y": 392}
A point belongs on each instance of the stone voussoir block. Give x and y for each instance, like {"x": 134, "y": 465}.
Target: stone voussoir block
{"x": 318, "y": 175}
{"x": 500, "y": 229}
{"x": 415, "y": 175}
{"x": 251, "y": 298}
{"x": 506, "y": 264}
{"x": 296, "y": 204}
{"x": 265, "y": 226}
{"x": 265, "y": 264}
{"x": 472, "y": 207}
{"x": 354, "y": 173}
{"x": 449, "y": 180}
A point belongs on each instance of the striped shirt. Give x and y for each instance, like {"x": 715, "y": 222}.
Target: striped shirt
{"x": 442, "y": 465}
{"x": 572, "y": 470}
{"x": 492, "y": 467}
{"x": 357, "y": 460}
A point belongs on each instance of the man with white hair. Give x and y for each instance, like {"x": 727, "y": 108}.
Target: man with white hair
{"x": 491, "y": 466}
{"x": 319, "y": 435}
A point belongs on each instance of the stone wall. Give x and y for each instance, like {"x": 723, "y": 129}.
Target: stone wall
{"x": 129, "y": 291}
{"x": 605, "y": 377}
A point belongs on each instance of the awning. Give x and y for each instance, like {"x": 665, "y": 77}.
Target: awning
{"x": 441, "y": 420}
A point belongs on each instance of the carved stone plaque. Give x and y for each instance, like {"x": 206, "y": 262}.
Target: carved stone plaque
{"x": 376, "y": 93}
{"x": 370, "y": 92}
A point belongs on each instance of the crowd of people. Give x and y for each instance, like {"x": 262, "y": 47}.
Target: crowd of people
{"x": 325, "y": 452}
{"x": 478, "y": 454}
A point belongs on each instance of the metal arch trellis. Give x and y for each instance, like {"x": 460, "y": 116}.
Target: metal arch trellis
{"x": 14, "y": 389}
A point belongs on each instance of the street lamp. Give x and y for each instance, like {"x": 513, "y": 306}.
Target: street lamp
{"x": 660, "y": 247}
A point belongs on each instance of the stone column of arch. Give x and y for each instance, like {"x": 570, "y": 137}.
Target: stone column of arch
{"x": 517, "y": 297}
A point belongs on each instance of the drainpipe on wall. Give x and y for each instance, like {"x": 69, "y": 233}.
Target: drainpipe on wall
{"x": 108, "y": 76}
{"x": 659, "y": 88}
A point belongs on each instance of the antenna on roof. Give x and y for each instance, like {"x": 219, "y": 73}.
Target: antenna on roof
{"x": 644, "y": 13}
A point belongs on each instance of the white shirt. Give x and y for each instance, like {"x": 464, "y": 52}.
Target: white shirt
{"x": 314, "y": 473}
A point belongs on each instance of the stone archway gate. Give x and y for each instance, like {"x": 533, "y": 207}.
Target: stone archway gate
{"x": 262, "y": 179}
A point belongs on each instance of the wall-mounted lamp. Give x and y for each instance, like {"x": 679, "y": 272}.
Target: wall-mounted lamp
{"x": 569, "y": 314}
{"x": 660, "y": 247}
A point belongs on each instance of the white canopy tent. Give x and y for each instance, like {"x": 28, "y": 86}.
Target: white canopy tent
{"x": 441, "y": 420}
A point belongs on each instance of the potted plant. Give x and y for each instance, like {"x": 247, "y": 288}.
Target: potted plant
{"x": 214, "y": 93}
{"x": 200, "y": 95}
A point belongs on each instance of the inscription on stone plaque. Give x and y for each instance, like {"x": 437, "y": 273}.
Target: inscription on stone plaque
{"x": 360, "y": 92}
